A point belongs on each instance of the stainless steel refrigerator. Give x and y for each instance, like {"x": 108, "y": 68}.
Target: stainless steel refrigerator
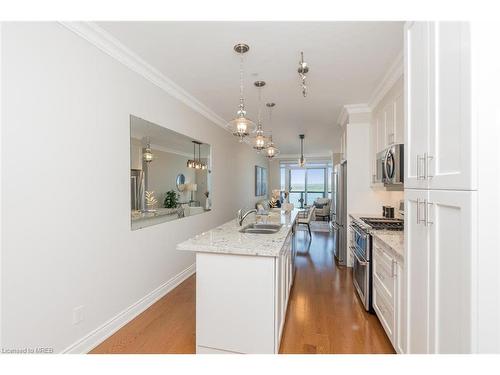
{"x": 339, "y": 211}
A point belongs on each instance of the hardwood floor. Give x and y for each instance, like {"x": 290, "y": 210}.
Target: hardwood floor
{"x": 324, "y": 314}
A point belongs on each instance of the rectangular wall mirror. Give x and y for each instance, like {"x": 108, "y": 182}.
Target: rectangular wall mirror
{"x": 169, "y": 175}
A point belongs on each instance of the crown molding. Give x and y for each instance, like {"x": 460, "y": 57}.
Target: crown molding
{"x": 327, "y": 155}
{"x": 388, "y": 80}
{"x": 350, "y": 109}
{"x": 158, "y": 147}
{"x": 114, "y": 48}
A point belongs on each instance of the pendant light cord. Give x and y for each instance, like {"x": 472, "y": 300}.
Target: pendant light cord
{"x": 260, "y": 109}
{"x": 242, "y": 102}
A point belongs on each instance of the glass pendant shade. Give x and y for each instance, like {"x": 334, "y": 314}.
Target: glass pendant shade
{"x": 147, "y": 156}
{"x": 241, "y": 126}
{"x": 271, "y": 149}
{"x": 260, "y": 141}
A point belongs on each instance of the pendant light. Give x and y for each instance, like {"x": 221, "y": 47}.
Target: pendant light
{"x": 303, "y": 70}
{"x": 241, "y": 126}
{"x": 302, "y": 160}
{"x": 259, "y": 141}
{"x": 271, "y": 149}
{"x": 197, "y": 163}
{"x": 203, "y": 166}
{"x": 147, "y": 155}
{"x": 191, "y": 162}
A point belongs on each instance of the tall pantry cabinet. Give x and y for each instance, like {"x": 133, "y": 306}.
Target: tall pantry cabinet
{"x": 440, "y": 188}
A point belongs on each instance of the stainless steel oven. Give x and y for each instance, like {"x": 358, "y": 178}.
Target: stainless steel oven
{"x": 360, "y": 248}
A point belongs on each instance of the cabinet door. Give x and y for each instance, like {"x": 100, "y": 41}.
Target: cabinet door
{"x": 279, "y": 297}
{"x": 399, "y": 119}
{"x": 453, "y": 256}
{"x": 373, "y": 149}
{"x": 390, "y": 130}
{"x": 400, "y": 309}
{"x": 381, "y": 139}
{"x": 417, "y": 271}
{"x": 451, "y": 135}
{"x": 384, "y": 308}
{"x": 417, "y": 101}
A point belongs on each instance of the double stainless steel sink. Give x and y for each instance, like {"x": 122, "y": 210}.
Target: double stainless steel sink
{"x": 261, "y": 228}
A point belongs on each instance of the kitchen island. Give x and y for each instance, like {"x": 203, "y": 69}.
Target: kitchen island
{"x": 243, "y": 282}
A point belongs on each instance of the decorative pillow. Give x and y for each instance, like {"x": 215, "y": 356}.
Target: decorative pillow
{"x": 319, "y": 205}
{"x": 274, "y": 203}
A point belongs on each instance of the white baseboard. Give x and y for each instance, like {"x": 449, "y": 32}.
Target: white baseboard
{"x": 100, "y": 334}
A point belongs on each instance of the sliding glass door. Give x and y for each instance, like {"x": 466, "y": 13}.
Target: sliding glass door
{"x": 297, "y": 187}
{"x": 315, "y": 184}
{"x": 307, "y": 184}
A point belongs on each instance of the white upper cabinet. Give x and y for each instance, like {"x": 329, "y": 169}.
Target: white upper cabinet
{"x": 451, "y": 135}
{"x": 399, "y": 119}
{"x": 417, "y": 75}
{"x": 387, "y": 124}
{"x": 380, "y": 121}
{"x": 439, "y": 136}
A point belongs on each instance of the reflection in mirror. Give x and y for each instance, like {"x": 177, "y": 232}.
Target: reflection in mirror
{"x": 180, "y": 181}
{"x": 169, "y": 174}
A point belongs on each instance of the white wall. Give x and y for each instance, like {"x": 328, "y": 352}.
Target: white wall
{"x": 274, "y": 175}
{"x": 65, "y": 157}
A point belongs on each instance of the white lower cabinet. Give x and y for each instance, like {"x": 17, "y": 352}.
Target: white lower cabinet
{"x": 241, "y": 301}
{"x": 440, "y": 236}
{"x": 401, "y": 318}
{"x": 388, "y": 294}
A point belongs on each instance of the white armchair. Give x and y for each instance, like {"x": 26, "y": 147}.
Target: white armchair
{"x": 322, "y": 208}
{"x": 305, "y": 218}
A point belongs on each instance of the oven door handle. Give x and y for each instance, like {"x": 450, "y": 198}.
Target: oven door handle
{"x": 363, "y": 263}
{"x": 362, "y": 235}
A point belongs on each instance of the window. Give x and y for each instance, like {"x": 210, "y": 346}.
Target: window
{"x": 315, "y": 179}
{"x": 282, "y": 178}
{"x": 306, "y": 184}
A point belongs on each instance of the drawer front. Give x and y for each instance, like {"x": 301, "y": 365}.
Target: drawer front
{"x": 383, "y": 272}
{"x": 384, "y": 309}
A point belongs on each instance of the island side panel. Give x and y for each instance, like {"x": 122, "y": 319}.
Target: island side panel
{"x": 235, "y": 297}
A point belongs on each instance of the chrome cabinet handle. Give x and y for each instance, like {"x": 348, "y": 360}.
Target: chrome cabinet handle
{"x": 427, "y": 159}
{"x": 427, "y": 205}
{"x": 419, "y": 219}
{"x": 418, "y": 167}
{"x": 393, "y": 268}
{"x": 418, "y": 211}
{"x": 419, "y": 175}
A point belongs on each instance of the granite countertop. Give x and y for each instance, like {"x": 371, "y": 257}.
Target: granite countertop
{"x": 227, "y": 238}
{"x": 392, "y": 241}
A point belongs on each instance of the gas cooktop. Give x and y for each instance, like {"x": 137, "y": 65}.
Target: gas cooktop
{"x": 384, "y": 223}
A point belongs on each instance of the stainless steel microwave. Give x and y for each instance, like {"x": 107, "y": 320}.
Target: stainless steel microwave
{"x": 390, "y": 165}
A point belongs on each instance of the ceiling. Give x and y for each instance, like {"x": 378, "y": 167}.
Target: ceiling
{"x": 347, "y": 61}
